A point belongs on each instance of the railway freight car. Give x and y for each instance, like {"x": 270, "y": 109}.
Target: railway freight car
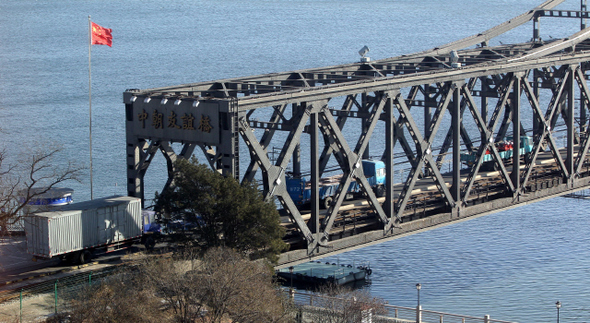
{"x": 76, "y": 230}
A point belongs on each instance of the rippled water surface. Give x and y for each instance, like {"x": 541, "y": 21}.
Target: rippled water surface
{"x": 511, "y": 265}
{"x": 44, "y": 58}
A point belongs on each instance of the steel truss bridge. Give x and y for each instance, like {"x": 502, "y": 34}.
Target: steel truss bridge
{"x": 427, "y": 107}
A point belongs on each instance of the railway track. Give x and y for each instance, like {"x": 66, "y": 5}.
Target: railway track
{"x": 359, "y": 219}
{"x": 67, "y": 278}
{"x": 50, "y": 282}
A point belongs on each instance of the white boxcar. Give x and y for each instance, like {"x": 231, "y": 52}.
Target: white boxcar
{"x": 76, "y": 229}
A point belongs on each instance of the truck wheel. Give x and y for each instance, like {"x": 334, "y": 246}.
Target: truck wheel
{"x": 326, "y": 203}
{"x": 149, "y": 243}
{"x": 380, "y": 191}
{"x": 84, "y": 257}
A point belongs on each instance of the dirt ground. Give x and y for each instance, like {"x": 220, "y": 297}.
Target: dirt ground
{"x": 34, "y": 309}
{"x": 16, "y": 263}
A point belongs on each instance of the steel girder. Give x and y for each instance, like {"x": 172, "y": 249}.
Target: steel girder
{"x": 350, "y": 162}
{"x": 141, "y": 152}
{"x": 395, "y": 109}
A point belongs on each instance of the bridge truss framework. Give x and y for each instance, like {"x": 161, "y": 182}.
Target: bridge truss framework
{"x": 432, "y": 107}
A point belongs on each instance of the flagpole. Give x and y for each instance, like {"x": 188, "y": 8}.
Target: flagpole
{"x": 90, "y": 100}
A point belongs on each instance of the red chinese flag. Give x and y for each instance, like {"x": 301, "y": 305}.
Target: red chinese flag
{"x": 101, "y": 35}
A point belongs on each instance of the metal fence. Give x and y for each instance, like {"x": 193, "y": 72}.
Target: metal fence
{"x": 400, "y": 313}
{"x": 47, "y": 297}
{"x": 27, "y": 304}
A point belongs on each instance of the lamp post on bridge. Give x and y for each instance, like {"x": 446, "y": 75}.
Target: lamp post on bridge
{"x": 418, "y": 288}
{"x": 291, "y": 291}
{"x": 418, "y": 308}
{"x": 558, "y": 306}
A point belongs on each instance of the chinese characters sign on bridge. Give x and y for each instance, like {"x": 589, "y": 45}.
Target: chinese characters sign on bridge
{"x": 177, "y": 121}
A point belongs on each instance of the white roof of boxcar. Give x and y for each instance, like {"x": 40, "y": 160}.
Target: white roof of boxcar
{"x": 88, "y": 205}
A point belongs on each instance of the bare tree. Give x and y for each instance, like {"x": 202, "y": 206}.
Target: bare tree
{"x": 343, "y": 305}
{"x": 220, "y": 286}
{"x": 171, "y": 280}
{"x": 121, "y": 298}
{"x": 233, "y": 287}
{"x": 22, "y": 183}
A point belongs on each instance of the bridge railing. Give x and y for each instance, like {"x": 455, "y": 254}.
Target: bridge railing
{"x": 435, "y": 317}
{"x": 399, "y": 314}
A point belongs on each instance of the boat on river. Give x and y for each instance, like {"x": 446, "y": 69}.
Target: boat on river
{"x": 318, "y": 273}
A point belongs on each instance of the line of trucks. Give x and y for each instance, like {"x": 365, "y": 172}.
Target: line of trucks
{"x": 299, "y": 188}
{"x": 75, "y": 231}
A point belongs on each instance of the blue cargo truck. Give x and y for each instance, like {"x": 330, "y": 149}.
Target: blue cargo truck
{"x": 299, "y": 188}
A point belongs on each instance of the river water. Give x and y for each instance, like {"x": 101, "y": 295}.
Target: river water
{"x": 512, "y": 265}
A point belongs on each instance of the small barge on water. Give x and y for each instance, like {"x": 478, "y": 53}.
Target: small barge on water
{"x": 318, "y": 273}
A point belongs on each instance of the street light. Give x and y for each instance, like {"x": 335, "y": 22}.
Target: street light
{"x": 291, "y": 292}
{"x": 558, "y": 305}
{"x": 418, "y": 287}
{"x": 418, "y": 308}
